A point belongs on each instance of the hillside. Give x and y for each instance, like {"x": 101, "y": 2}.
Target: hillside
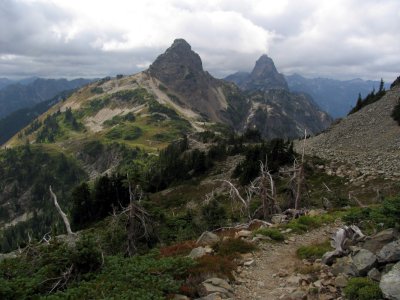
{"x": 368, "y": 139}
{"x": 26, "y": 93}
{"x": 336, "y": 97}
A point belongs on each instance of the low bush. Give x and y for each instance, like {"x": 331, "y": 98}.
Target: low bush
{"x": 178, "y": 249}
{"x": 386, "y": 215}
{"x": 313, "y": 251}
{"x": 396, "y": 112}
{"x": 232, "y": 247}
{"x": 274, "y": 234}
{"x": 362, "y": 288}
{"x": 214, "y": 266}
{"x": 306, "y": 223}
{"x": 303, "y": 224}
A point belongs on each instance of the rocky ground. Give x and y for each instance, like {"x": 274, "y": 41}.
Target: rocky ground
{"x": 368, "y": 140}
{"x": 274, "y": 272}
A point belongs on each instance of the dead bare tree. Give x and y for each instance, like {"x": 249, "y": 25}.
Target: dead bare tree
{"x": 263, "y": 187}
{"x": 62, "y": 214}
{"x": 138, "y": 221}
{"x": 297, "y": 178}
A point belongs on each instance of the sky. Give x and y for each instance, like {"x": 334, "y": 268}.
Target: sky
{"x": 340, "y": 39}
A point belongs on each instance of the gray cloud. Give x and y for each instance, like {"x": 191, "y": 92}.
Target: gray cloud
{"x": 336, "y": 39}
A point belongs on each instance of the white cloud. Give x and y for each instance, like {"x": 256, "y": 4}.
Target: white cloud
{"x": 340, "y": 38}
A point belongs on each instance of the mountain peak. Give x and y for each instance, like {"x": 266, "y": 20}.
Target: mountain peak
{"x": 176, "y": 62}
{"x": 181, "y": 43}
{"x": 265, "y": 75}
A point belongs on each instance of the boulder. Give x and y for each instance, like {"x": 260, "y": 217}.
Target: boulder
{"x": 364, "y": 261}
{"x": 344, "y": 265}
{"x": 243, "y": 234}
{"x": 180, "y": 297}
{"x": 377, "y": 241}
{"x": 329, "y": 257}
{"x": 279, "y": 219}
{"x": 207, "y": 238}
{"x": 213, "y": 296}
{"x": 216, "y": 285}
{"x": 298, "y": 295}
{"x": 390, "y": 252}
{"x": 197, "y": 252}
{"x": 374, "y": 274}
{"x": 341, "y": 281}
{"x": 390, "y": 283}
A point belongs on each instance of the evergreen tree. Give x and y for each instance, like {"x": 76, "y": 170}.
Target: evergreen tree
{"x": 83, "y": 206}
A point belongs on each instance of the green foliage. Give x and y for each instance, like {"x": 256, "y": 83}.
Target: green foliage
{"x": 232, "y": 247}
{"x": 129, "y": 117}
{"x": 97, "y": 90}
{"x": 82, "y": 205}
{"x": 177, "y": 228}
{"x": 139, "y": 277}
{"x": 155, "y": 107}
{"x": 214, "y": 215}
{"x": 273, "y": 233}
{"x": 89, "y": 206}
{"x": 396, "y": 112}
{"x": 19, "y": 173}
{"x": 278, "y": 152}
{"x": 50, "y": 129}
{"x": 306, "y": 223}
{"x": 125, "y": 132}
{"x": 313, "y": 251}
{"x": 40, "y": 273}
{"x": 362, "y": 288}
{"x": 219, "y": 266}
{"x": 37, "y": 271}
{"x": 369, "y": 99}
{"x": 386, "y": 215}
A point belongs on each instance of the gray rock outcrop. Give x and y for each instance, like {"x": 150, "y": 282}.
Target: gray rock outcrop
{"x": 390, "y": 283}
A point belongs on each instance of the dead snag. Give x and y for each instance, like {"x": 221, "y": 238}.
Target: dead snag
{"x": 62, "y": 214}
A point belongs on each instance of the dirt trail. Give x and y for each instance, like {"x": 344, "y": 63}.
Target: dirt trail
{"x": 263, "y": 280}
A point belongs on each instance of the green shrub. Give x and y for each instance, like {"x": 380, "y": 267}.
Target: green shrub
{"x": 304, "y": 223}
{"x": 362, "y": 288}
{"x": 132, "y": 133}
{"x": 313, "y": 251}
{"x": 396, "y": 113}
{"x": 214, "y": 215}
{"x": 386, "y": 215}
{"x": 274, "y": 234}
{"x": 233, "y": 247}
{"x": 207, "y": 265}
{"x": 139, "y": 277}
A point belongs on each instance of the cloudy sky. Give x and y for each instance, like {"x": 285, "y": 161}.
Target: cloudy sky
{"x": 339, "y": 39}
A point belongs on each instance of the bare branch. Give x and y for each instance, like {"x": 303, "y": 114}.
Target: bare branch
{"x": 62, "y": 214}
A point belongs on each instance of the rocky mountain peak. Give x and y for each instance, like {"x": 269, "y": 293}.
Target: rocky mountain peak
{"x": 265, "y": 76}
{"x": 264, "y": 66}
{"x": 178, "y": 62}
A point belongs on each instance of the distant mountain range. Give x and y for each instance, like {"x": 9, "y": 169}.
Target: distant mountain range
{"x": 336, "y": 97}
{"x": 28, "y": 92}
